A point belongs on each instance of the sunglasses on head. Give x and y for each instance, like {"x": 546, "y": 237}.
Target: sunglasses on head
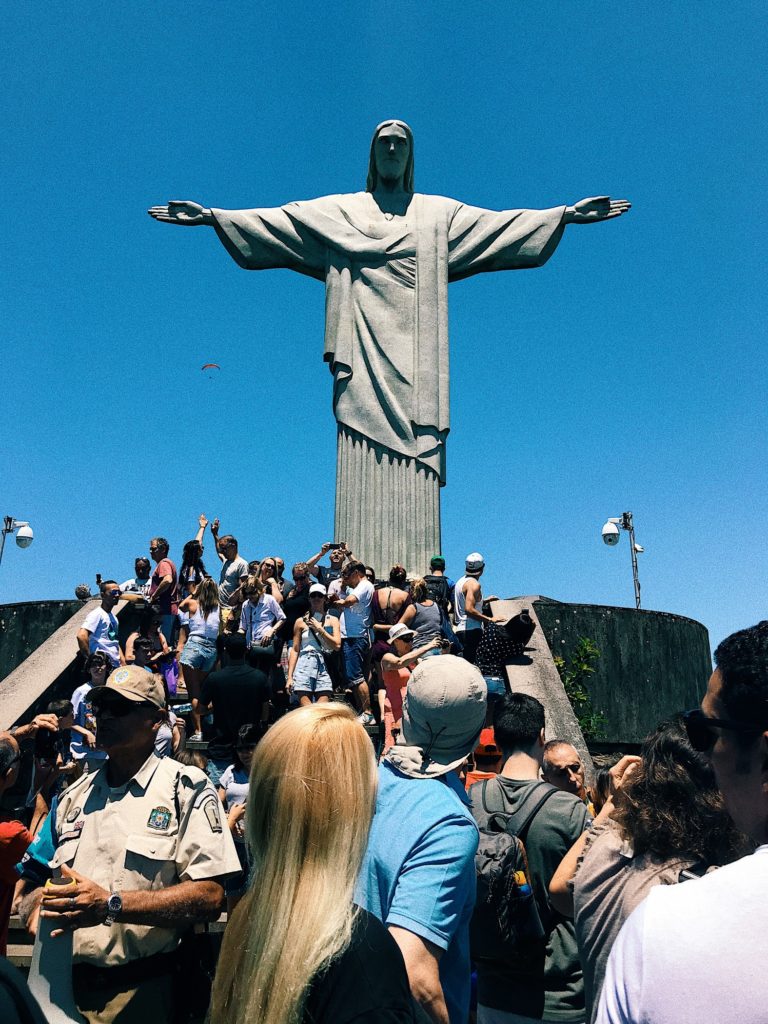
{"x": 700, "y": 729}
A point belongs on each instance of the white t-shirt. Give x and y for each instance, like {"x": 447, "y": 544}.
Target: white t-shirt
{"x": 694, "y": 952}
{"x": 103, "y": 629}
{"x": 256, "y": 619}
{"x": 356, "y": 619}
{"x": 84, "y": 717}
{"x": 231, "y": 572}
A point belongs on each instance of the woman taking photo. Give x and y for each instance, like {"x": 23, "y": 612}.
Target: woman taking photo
{"x": 201, "y": 625}
{"x": 315, "y": 634}
{"x": 297, "y": 950}
{"x": 663, "y": 822}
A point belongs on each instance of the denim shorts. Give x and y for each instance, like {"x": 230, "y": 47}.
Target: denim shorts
{"x": 354, "y": 650}
{"x": 199, "y": 653}
{"x": 311, "y": 675}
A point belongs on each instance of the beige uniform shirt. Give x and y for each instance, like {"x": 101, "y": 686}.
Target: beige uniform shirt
{"x": 164, "y": 826}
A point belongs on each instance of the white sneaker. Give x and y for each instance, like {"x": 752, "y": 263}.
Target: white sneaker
{"x": 366, "y": 718}
{"x": 196, "y": 736}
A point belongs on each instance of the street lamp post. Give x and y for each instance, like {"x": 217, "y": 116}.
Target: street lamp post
{"x": 23, "y": 531}
{"x": 611, "y": 538}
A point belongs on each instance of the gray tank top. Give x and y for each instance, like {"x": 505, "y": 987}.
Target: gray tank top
{"x": 426, "y": 623}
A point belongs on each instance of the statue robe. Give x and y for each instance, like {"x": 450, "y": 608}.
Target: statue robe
{"x": 386, "y": 339}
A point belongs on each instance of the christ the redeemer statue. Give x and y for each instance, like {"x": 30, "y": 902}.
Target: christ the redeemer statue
{"x": 386, "y": 256}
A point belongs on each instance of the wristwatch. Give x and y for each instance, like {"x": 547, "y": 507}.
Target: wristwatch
{"x": 114, "y": 907}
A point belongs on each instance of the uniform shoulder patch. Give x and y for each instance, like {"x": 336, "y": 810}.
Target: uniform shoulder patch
{"x": 213, "y": 814}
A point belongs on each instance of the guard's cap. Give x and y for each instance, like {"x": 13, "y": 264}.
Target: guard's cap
{"x": 133, "y": 683}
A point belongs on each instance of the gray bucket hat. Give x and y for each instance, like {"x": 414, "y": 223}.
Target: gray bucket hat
{"x": 443, "y": 713}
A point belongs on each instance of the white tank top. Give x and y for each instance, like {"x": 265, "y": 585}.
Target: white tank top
{"x": 309, "y": 642}
{"x": 205, "y": 629}
{"x": 460, "y": 604}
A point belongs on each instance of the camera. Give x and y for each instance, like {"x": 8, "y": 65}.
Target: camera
{"x": 611, "y": 534}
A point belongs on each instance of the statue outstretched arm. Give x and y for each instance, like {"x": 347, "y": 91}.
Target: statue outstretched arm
{"x": 590, "y": 211}
{"x": 191, "y": 215}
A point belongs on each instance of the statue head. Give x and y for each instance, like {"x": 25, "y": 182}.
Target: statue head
{"x": 391, "y": 155}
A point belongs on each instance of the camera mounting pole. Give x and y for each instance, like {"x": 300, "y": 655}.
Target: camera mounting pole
{"x": 611, "y": 538}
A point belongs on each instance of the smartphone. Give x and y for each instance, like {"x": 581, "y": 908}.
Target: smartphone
{"x": 46, "y": 746}
{"x": 335, "y": 547}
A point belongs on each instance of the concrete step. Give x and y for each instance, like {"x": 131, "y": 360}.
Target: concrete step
{"x": 20, "y": 956}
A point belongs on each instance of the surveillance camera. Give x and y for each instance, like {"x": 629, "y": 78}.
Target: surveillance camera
{"x": 611, "y": 534}
{"x": 24, "y": 536}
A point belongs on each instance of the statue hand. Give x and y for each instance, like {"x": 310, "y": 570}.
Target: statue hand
{"x": 590, "y": 211}
{"x": 186, "y": 213}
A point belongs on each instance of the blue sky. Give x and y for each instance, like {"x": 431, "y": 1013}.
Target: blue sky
{"x": 629, "y": 373}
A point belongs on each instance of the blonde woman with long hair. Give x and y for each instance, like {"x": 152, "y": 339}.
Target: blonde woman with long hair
{"x": 297, "y": 950}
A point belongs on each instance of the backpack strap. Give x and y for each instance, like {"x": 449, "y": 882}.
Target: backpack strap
{"x": 525, "y": 813}
{"x": 531, "y": 806}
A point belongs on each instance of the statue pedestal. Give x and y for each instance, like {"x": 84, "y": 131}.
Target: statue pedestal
{"x": 387, "y": 506}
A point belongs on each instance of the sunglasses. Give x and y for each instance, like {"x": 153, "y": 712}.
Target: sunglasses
{"x": 700, "y": 729}
{"x": 298, "y": 578}
{"x": 114, "y": 593}
{"x": 116, "y": 708}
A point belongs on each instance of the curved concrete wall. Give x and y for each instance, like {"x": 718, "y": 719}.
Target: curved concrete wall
{"x": 652, "y": 664}
{"x": 24, "y": 626}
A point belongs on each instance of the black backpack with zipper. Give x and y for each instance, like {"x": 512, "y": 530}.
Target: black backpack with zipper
{"x": 507, "y": 922}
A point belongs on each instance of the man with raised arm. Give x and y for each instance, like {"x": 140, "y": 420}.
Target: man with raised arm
{"x": 234, "y": 569}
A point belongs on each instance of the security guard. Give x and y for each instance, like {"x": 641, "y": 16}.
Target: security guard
{"x": 146, "y": 844}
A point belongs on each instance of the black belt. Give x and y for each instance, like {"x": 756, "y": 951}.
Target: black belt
{"x": 125, "y": 975}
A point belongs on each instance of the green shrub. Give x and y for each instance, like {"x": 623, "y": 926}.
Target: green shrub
{"x": 573, "y": 674}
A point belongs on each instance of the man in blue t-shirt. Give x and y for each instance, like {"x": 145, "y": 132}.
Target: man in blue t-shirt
{"x": 418, "y": 875}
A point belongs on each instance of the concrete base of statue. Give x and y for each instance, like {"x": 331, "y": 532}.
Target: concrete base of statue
{"x": 387, "y": 506}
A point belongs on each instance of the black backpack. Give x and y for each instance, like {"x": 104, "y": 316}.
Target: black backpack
{"x": 438, "y": 589}
{"x": 507, "y": 922}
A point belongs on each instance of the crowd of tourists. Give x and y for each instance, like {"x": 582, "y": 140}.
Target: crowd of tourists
{"x": 340, "y": 763}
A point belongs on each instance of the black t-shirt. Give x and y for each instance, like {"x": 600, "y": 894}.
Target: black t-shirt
{"x": 326, "y": 574}
{"x": 368, "y": 982}
{"x": 295, "y": 604}
{"x": 237, "y": 694}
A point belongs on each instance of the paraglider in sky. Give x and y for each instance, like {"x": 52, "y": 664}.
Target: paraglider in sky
{"x": 210, "y": 370}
